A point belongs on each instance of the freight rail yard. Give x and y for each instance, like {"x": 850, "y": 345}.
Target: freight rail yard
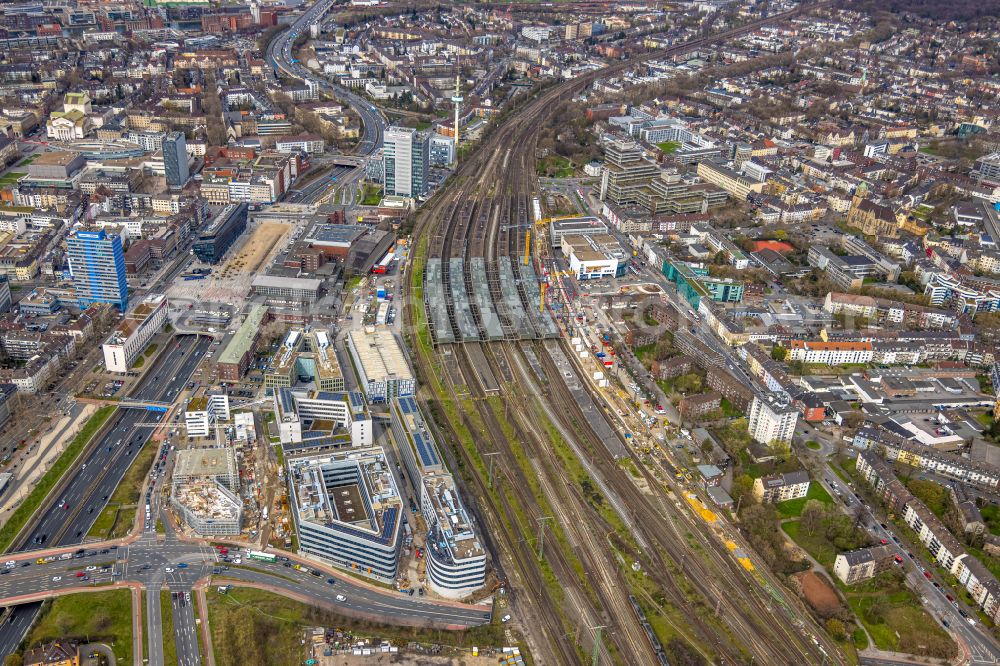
{"x": 603, "y": 549}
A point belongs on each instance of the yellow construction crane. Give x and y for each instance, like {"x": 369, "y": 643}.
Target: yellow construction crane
{"x": 527, "y": 246}
{"x": 546, "y": 220}
{"x": 541, "y": 302}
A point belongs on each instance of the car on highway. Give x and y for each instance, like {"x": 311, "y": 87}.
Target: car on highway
{"x": 91, "y": 568}
{"x": 169, "y": 569}
{"x": 56, "y": 579}
{"x": 340, "y": 597}
{"x": 182, "y": 565}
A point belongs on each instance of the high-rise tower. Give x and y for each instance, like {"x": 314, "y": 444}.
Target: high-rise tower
{"x": 457, "y": 101}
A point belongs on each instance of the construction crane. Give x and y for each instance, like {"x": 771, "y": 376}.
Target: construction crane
{"x": 547, "y": 220}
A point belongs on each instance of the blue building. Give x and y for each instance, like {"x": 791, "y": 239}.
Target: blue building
{"x": 694, "y": 283}
{"x": 97, "y": 262}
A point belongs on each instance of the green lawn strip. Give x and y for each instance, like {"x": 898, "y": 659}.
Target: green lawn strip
{"x": 840, "y": 473}
{"x": 68, "y": 458}
{"x": 860, "y": 639}
{"x": 793, "y": 508}
{"x": 251, "y": 626}
{"x": 118, "y": 515}
{"x": 167, "y": 624}
{"x": 669, "y": 147}
{"x": 100, "y": 617}
{"x": 198, "y": 620}
{"x": 145, "y": 643}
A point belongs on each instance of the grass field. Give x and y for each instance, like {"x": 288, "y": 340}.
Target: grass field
{"x": 49, "y": 479}
{"x": 167, "y": 622}
{"x": 793, "y": 508}
{"x": 11, "y": 177}
{"x": 895, "y": 621}
{"x": 669, "y": 147}
{"x": 371, "y": 195}
{"x": 118, "y": 516}
{"x": 817, "y": 546}
{"x": 263, "y": 628}
{"x": 890, "y": 612}
{"x": 101, "y": 617}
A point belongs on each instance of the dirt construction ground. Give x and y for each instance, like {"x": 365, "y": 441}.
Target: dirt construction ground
{"x": 818, "y": 592}
{"x": 230, "y": 281}
{"x": 256, "y": 249}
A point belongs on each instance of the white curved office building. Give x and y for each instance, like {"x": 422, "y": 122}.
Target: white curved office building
{"x": 456, "y": 560}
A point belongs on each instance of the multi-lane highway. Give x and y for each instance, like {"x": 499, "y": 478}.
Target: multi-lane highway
{"x": 279, "y": 55}
{"x": 86, "y": 489}
{"x": 165, "y": 560}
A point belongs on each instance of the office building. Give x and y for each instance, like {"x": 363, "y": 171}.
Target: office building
{"x": 625, "y": 173}
{"x": 406, "y": 157}
{"x": 313, "y": 417}
{"x": 97, "y": 263}
{"x": 456, "y": 559}
{"x": 204, "y": 410}
{"x": 987, "y": 167}
{"x": 8, "y": 404}
{"x": 239, "y": 351}
{"x": 414, "y": 441}
{"x": 175, "y": 160}
{"x": 5, "y": 296}
{"x": 287, "y": 290}
{"x": 306, "y": 357}
{"x": 212, "y": 242}
{"x": 348, "y": 511}
{"x": 134, "y": 332}
{"x": 772, "y": 420}
{"x": 383, "y": 372}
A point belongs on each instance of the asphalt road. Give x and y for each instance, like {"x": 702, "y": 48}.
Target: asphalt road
{"x": 166, "y": 560}
{"x": 185, "y": 628}
{"x": 279, "y": 54}
{"x": 154, "y": 621}
{"x": 90, "y": 485}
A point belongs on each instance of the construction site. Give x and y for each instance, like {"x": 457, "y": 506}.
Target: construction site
{"x": 231, "y": 282}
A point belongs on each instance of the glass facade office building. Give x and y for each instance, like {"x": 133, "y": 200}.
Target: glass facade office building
{"x": 175, "y": 162}
{"x": 97, "y": 262}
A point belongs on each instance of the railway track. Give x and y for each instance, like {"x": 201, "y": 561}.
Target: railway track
{"x": 485, "y": 216}
{"x": 714, "y": 576}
